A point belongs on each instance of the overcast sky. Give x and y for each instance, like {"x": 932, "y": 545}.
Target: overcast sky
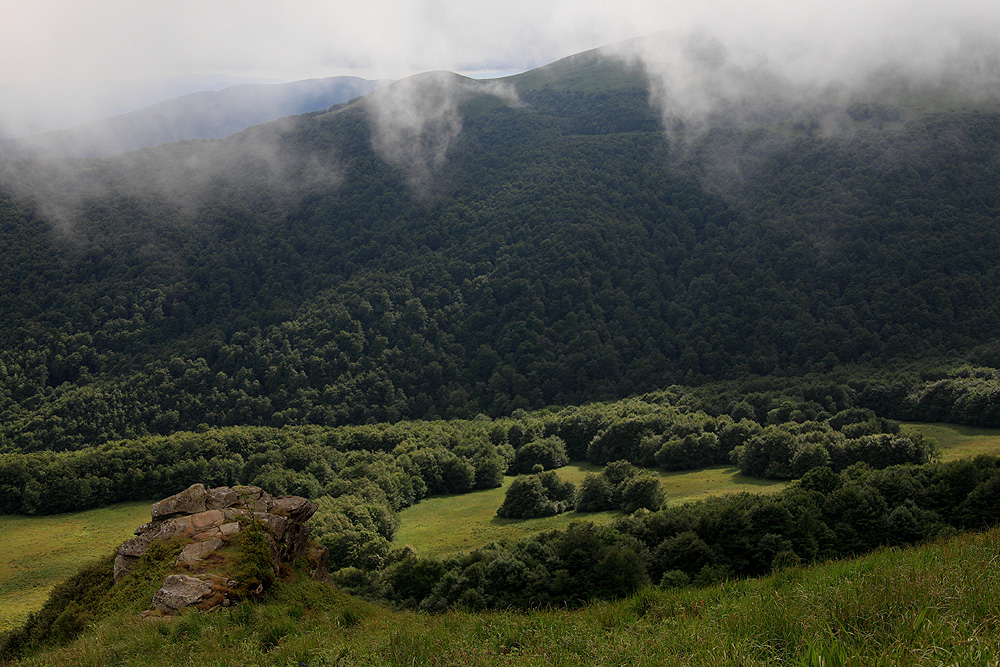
{"x": 296, "y": 39}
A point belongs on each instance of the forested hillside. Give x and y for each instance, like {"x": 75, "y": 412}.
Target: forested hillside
{"x": 484, "y": 247}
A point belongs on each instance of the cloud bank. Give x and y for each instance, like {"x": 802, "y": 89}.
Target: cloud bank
{"x": 103, "y": 41}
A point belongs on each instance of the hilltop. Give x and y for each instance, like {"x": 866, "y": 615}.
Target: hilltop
{"x": 200, "y": 115}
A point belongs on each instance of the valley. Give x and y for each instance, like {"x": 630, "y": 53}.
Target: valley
{"x": 720, "y": 348}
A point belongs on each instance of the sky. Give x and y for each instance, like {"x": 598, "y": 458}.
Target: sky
{"x": 93, "y": 48}
{"x": 706, "y": 55}
{"x": 296, "y": 39}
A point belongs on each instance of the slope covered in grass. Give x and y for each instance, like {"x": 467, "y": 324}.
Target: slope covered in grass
{"x": 36, "y": 553}
{"x": 957, "y": 442}
{"x": 931, "y": 605}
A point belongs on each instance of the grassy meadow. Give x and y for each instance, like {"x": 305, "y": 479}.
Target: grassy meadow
{"x": 38, "y": 552}
{"x": 958, "y": 442}
{"x": 930, "y": 605}
{"x": 450, "y": 524}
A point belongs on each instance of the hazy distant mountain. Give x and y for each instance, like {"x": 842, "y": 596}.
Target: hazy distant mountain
{"x": 47, "y": 106}
{"x": 201, "y": 115}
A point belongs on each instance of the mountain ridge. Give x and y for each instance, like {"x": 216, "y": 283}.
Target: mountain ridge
{"x": 198, "y": 115}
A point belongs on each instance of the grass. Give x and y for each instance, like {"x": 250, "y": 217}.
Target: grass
{"x": 450, "y": 524}
{"x": 958, "y": 442}
{"x": 36, "y": 553}
{"x": 930, "y": 605}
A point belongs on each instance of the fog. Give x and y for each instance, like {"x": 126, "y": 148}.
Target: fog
{"x": 705, "y": 76}
{"x": 415, "y": 120}
{"x": 718, "y": 61}
{"x": 259, "y": 165}
{"x": 105, "y": 43}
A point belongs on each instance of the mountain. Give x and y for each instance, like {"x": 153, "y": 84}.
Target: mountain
{"x": 201, "y": 115}
{"x": 446, "y": 247}
{"x": 32, "y": 108}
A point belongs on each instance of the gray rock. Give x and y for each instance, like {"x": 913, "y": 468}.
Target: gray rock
{"x": 209, "y": 519}
{"x": 294, "y": 507}
{"x": 189, "y": 501}
{"x": 179, "y": 591}
{"x": 123, "y": 565}
{"x": 221, "y": 497}
{"x": 194, "y": 553}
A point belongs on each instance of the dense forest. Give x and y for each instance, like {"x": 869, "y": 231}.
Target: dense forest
{"x": 553, "y": 251}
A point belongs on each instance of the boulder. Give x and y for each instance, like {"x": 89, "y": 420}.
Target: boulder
{"x": 189, "y": 501}
{"x": 196, "y": 552}
{"x": 180, "y": 591}
{"x": 206, "y": 520}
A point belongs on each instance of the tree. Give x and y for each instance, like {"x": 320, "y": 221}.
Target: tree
{"x": 642, "y": 491}
{"x": 548, "y": 452}
{"x": 531, "y": 496}
{"x": 596, "y": 494}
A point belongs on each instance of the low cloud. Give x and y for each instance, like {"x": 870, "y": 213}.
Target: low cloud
{"x": 184, "y": 177}
{"x": 415, "y": 121}
{"x": 715, "y": 74}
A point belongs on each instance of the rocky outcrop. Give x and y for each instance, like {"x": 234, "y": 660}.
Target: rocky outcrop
{"x": 207, "y": 521}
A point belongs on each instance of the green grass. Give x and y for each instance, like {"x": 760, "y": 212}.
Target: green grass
{"x": 36, "y": 553}
{"x": 958, "y": 442}
{"x": 932, "y": 605}
{"x": 451, "y": 524}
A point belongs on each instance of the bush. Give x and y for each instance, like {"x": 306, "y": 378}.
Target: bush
{"x": 642, "y": 492}
{"x": 550, "y": 453}
{"x": 596, "y": 494}
{"x": 531, "y": 496}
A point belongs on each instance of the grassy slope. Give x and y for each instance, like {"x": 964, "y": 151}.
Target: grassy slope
{"x": 959, "y": 442}
{"x": 449, "y": 524}
{"x": 931, "y": 605}
{"x": 36, "y": 553}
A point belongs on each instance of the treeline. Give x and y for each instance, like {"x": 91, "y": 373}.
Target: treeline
{"x": 966, "y": 395}
{"x": 823, "y": 516}
{"x": 401, "y": 464}
{"x": 563, "y": 253}
{"x": 674, "y": 429}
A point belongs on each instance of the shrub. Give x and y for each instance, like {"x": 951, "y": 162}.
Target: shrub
{"x": 550, "y": 453}
{"x": 531, "y": 496}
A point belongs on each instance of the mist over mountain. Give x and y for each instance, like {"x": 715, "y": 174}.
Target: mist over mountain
{"x": 201, "y": 115}
{"x": 46, "y": 106}
{"x": 622, "y": 219}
